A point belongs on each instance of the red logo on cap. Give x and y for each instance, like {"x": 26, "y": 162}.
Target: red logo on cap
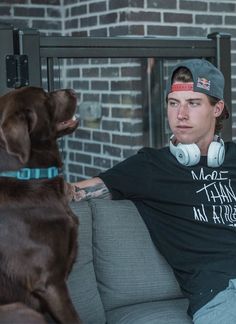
{"x": 203, "y": 83}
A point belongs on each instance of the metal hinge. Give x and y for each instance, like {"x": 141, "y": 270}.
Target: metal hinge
{"x": 17, "y": 71}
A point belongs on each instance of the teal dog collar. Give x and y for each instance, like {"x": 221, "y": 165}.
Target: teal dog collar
{"x": 27, "y": 173}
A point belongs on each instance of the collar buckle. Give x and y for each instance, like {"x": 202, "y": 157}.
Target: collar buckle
{"x": 23, "y": 174}
{"x": 52, "y": 172}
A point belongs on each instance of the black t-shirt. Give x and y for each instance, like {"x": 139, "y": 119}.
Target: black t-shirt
{"x": 190, "y": 213}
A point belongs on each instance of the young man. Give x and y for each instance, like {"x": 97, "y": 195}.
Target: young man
{"x": 186, "y": 193}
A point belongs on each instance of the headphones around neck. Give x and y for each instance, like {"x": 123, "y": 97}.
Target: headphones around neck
{"x": 189, "y": 154}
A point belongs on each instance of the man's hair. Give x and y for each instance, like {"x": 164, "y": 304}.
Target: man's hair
{"x": 182, "y": 74}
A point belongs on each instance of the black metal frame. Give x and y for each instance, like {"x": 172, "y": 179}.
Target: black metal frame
{"x": 215, "y": 48}
{"x": 9, "y": 42}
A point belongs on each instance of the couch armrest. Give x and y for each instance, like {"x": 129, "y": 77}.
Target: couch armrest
{"x": 82, "y": 281}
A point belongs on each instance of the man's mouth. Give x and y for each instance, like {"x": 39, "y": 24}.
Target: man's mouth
{"x": 183, "y": 126}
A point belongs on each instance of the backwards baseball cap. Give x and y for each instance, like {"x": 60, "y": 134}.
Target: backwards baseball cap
{"x": 207, "y": 78}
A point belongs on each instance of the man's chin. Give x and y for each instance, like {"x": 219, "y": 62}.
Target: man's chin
{"x": 184, "y": 140}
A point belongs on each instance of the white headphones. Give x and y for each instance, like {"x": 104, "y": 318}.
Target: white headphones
{"x": 189, "y": 154}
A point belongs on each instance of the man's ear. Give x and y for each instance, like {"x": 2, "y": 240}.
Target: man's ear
{"x": 15, "y": 134}
{"x": 219, "y": 107}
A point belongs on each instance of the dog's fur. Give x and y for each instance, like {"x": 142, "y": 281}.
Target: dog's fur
{"x": 18, "y": 313}
{"x": 38, "y": 231}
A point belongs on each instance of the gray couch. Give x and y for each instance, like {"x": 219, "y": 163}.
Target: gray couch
{"x": 119, "y": 276}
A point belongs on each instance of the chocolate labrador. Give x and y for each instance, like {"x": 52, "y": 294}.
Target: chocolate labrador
{"x": 38, "y": 231}
{"x": 18, "y": 313}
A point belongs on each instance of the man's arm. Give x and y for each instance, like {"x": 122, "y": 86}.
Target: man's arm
{"x": 87, "y": 189}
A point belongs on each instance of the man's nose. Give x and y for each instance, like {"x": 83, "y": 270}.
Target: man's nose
{"x": 183, "y": 112}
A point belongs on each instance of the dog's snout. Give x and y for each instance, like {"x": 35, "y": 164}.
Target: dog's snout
{"x": 72, "y": 93}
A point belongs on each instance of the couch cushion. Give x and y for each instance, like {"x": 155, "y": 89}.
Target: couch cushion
{"x": 128, "y": 267}
{"x": 82, "y": 282}
{"x": 161, "y": 312}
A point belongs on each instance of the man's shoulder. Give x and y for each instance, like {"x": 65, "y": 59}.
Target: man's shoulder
{"x": 230, "y": 146}
{"x": 154, "y": 152}
{"x": 230, "y": 154}
{"x": 230, "y": 143}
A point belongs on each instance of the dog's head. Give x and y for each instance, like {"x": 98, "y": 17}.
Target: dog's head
{"x": 31, "y": 115}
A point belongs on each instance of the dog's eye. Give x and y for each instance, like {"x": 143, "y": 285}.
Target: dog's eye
{"x": 31, "y": 118}
{"x": 20, "y": 115}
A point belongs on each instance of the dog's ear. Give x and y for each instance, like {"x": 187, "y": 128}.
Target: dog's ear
{"x": 15, "y": 132}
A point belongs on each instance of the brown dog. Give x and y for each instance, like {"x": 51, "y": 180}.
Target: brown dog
{"x": 38, "y": 231}
{"x": 18, "y": 313}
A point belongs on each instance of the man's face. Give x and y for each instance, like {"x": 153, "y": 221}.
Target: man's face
{"x": 192, "y": 118}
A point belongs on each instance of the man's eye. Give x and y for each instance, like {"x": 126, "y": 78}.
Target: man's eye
{"x": 173, "y": 104}
{"x": 193, "y": 103}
